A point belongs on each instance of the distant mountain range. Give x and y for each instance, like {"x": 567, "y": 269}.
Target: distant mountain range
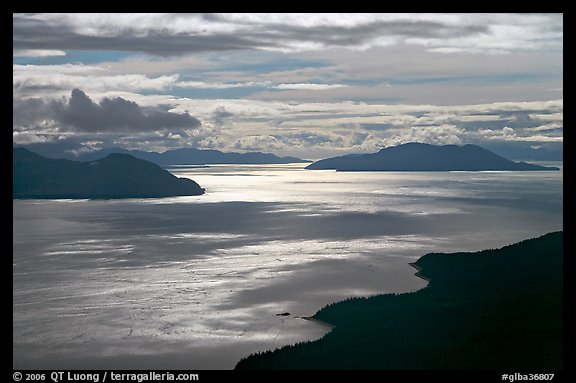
{"x": 425, "y": 157}
{"x": 115, "y": 176}
{"x": 526, "y": 151}
{"x": 183, "y": 156}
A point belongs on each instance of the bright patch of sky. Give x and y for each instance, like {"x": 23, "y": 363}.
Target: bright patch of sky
{"x": 51, "y": 57}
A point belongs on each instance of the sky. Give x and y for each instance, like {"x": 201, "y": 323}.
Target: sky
{"x": 308, "y": 85}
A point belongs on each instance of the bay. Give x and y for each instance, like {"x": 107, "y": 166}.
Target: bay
{"x": 197, "y": 282}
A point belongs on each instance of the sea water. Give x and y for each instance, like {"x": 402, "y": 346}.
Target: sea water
{"x": 198, "y": 282}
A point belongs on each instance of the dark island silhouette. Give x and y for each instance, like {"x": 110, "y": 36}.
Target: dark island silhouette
{"x": 489, "y": 310}
{"x": 193, "y": 156}
{"x": 182, "y": 156}
{"x": 425, "y": 157}
{"x": 115, "y": 176}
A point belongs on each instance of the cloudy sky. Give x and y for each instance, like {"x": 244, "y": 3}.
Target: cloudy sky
{"x": 310, "y": 85}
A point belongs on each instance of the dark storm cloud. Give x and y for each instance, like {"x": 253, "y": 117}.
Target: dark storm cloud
{"x": 29, "y": 112}
{"x": 33, "y": 33}
{"x": 82, "y": 114}
{"x": 361, "y": 34}
{"x": 38, "y": 34}
{"x": 220, "y": 116}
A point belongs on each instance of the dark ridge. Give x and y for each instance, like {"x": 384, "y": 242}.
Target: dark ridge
{"x": 183, "y": 156}
{"x": 115, "y": 176}
{"x": 425, "y": 157}
{"x": 489, "y": 310}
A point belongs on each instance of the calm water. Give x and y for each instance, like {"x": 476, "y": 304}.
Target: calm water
{"x": 196, "y": 282}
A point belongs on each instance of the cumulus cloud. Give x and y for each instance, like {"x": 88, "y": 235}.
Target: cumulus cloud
{"x": 308, "y": 130}
{"x": 510, "y": 134}
{"x": 438, "y": 135}
{"x": 221, "y": 116}
{"x": 312, "y": 85}
{"x": 257, "y": 142}
{"x": 80, "y": 113}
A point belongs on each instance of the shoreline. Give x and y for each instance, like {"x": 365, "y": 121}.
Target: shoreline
{"x": 475, "y": 316}
{"x": 418, "y": 274}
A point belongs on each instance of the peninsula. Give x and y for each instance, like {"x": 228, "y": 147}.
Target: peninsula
{"x": 115, "y": 176}
{"x": 489, "y": 310}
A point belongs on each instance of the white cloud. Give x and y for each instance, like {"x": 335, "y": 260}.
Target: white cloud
{"x": 91, "y": 78}
{"x": 37, "y": 52}
{"x": 357, "y": 82}
{"x": 257, "y": 84}
{"x": 217, "y": 85}
{"x": 99, "y": 78}
{"x": 545, "y": 127}
{"x": 302, "y": 32}
{"x": 309, "y": 86}
{"x": 25, "y": 138}
{"x": 437, "y": 135}
{"x": 524, "y": 135}
{"x": 469, "y": 50}
{"x": 50, "y": 70}
{"x": 305, "y": 129}
{"x": 506, "y": 134}
{"x": 257, "y": 142}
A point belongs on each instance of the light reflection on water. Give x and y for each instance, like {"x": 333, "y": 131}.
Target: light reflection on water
{"x": 196, "y": 282}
